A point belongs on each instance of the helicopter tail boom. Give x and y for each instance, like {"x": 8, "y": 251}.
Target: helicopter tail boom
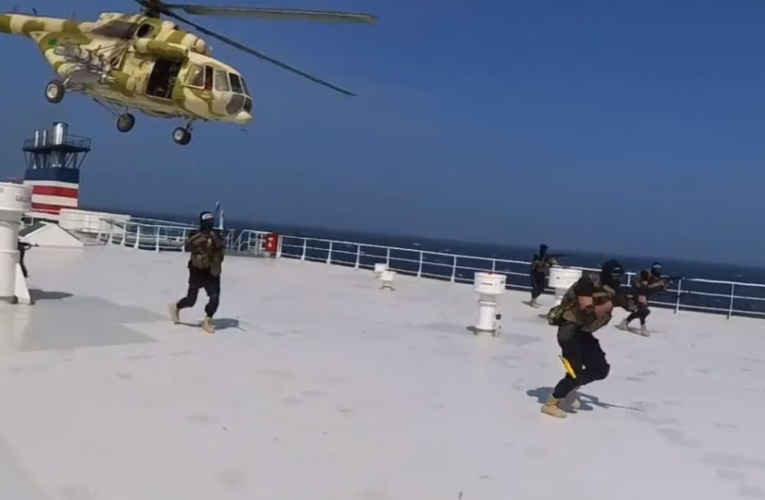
{"x": 20, "y": 24}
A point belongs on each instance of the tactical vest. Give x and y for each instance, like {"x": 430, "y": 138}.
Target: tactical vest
{"x": 207, "y": 258}
{"x": 568, "y": 311}
{"x": 641, "y": 285}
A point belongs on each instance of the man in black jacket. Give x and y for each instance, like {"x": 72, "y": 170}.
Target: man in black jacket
{"x": 205, "y": 266}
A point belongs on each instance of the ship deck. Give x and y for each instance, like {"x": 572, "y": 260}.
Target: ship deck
{"x": 320, "y": 386}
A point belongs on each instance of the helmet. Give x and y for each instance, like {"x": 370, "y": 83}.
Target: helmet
{"x": 656, "y": 269}
{"x": 611, "y": 273}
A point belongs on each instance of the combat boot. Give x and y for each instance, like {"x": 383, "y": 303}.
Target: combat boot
{"x": 175, "y": 313}
{"x": 552, "y": 408}
{"x": 644, "y": 331}
{"x": 207, "y": 325}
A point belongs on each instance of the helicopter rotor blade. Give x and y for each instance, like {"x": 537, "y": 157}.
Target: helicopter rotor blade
{"x": 273, "y": 14}
{"x": 260, "y": 55}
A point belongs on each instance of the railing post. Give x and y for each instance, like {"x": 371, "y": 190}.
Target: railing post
{"x": 329, "y": 253}
{"x": 679, "y": 293}
{"x": 732, "y": 298}
{"x": 387, "y": 257}
{"x": 157, "y": 241}
{"x": 124, "y": 235}
{"x": 454, "y": 268}
{"x": 305, "y": 248}
{"x": 419, "y": 269}
{"x": 358, "y": 255}
{"x": 493, "y": 265}
{"x": 137, "y": 237}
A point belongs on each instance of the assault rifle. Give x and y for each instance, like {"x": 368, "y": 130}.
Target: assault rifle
{"x": 557, "y": 255}
{"x": 673, "y": 278}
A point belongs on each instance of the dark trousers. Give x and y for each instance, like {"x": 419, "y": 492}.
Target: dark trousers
{"x": 640, "y": 313}
{"x": 537, "y": 284}
{"x": 584, "y": 355}
{"x": 199, "y": 279}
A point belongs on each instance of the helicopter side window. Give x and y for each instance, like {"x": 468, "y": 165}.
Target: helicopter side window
{"x": 221, "y": 81}
{"x": 195, "y": 76}
{"x": 236, "y": 83}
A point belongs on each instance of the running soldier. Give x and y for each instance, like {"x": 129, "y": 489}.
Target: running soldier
{"x": 586, "y": 307}
{"x": 205, "y": 266}
{"x": 647, "y": 282}
{"x": 541, "y": 263}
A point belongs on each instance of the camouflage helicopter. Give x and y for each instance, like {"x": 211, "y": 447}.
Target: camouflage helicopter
{"x": 145, "y": 63}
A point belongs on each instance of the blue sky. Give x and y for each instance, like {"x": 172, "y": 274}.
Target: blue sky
{"x": 603, "y": 125}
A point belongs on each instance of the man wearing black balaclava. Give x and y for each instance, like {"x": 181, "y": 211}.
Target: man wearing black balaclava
{"x": 541, "y": 263}
{"x": 586, "y": 307}
{"x": 205, "y": 266}
{"x": 646, "y": 283}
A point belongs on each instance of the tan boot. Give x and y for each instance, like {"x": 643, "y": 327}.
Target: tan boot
{"x": 552, "y": 408}
{"x": 207, "y": 325}
{"x": 174, "y": 313}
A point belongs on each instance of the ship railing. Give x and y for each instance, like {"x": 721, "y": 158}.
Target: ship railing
{"x": 161, "y": 236}
{"x": 728, "y": 298}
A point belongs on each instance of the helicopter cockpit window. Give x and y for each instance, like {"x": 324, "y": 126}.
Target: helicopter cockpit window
{"x": 196, "y": 76}
{"x": 236, "y": 83}
{"x": 244, "y": 85}
{"x": 221, "y": 81}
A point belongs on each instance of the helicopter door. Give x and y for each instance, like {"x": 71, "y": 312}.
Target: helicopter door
{"x": 162, "y": 78}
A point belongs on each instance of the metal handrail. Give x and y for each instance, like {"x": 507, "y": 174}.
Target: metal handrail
{"x": 158, "y": 236}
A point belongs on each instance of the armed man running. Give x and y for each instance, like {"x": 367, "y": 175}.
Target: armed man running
{"x": 647, "y": 282}
{"x": 540, "y": 264}
{"x": 205, "y": 266}
{"x": 586, "y": 307}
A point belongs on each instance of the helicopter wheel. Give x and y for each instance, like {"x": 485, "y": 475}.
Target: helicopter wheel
{"x": 182, "y": 136}
{"x": 54, "y": 91}
{"x": 126, "y": 122}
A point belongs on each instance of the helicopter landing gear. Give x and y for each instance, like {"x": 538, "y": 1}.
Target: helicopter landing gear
{"x": 182, "y": 135}
{"x": 54, "y": 91}
{"x": 126, "y": 122}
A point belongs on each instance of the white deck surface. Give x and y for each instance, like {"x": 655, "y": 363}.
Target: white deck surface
{"x": 318, "y": 386}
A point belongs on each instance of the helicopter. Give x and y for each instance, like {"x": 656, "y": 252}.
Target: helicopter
{"x": 146, "y": 63}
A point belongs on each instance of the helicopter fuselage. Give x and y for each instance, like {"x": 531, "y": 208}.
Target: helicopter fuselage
{"x": 138, "y": 62}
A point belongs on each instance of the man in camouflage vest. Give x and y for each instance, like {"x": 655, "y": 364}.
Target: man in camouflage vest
{"x": 647, "y": 282}
{"x": 205, "y": 266}
{"x": 586, "y": 307}
{"x": 540, "y": 264}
